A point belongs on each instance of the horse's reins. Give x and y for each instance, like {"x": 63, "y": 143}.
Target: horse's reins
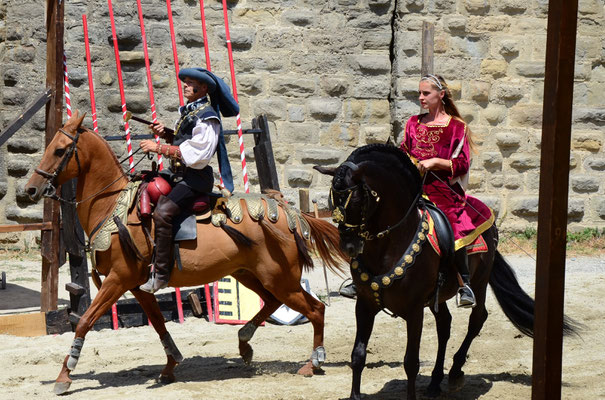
{"x": 73, "y": 151}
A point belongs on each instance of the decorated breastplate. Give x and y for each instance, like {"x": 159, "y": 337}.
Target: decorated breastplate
{"x": 379, "y": 282}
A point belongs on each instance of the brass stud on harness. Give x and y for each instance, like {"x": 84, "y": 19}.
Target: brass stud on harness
{"x": 415, "y": 247}
{"x": 355, "y": 264}
{"x": 364, "y": 277}
{"x": 386, "y": 280}
{"x": 398, "y": 271}
{"x": 374, "y": 286}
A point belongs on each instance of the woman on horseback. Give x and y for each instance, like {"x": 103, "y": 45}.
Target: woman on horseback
{"x": 440, "y": 143}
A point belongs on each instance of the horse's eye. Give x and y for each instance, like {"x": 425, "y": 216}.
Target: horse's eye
{"x": 59, "y": 152}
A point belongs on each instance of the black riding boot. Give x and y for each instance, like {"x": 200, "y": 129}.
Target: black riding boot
{"x": 466, "y": 296}
{"x": 163, "y": 215}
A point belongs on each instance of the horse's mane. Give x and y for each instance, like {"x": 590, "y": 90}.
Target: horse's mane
{"x": 376, "y": 153}
{"x": 106, "y": 144}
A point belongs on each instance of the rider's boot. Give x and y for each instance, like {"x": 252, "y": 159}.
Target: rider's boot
{"x": 163, "y": 215}
{"x": 466, "y": 297}
{"x": 349, "y": 291}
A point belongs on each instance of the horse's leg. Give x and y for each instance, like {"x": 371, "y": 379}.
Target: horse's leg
{"x": 475, "y": 323}
{"x": 108, "y": 294}
{"x": 271, "y": 304}
{"x": 365, "y": 322}
{"x": 411, "y": 361}
{"x": 152, "y": 309}
{"x": 286, "y": 288}
{"x": 443, "y": 320}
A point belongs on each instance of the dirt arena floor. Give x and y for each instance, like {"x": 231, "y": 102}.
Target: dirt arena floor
{"x": 125, "y": 363}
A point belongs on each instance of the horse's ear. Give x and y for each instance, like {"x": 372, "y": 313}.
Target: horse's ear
{"x": 79, "y": 118}
{"x": 325, "y": 170}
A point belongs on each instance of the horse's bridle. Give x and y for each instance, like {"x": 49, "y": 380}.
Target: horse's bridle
{"x": 51, "y": 178}
{"x": 369, "y": 206}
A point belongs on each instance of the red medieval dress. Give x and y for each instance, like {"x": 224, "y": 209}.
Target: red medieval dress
{"x": 468, "y": 216}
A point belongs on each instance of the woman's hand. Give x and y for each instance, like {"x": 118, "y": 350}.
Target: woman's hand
{"x": 158, "y": 128}
{"x": 148, "y": 145}
{"x": 432, "y": 164}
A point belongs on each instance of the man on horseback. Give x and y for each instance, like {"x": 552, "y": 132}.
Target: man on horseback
{"x": 197, "y": 136}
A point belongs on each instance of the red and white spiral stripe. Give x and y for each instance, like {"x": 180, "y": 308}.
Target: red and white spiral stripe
{"x": 66, "y": 89}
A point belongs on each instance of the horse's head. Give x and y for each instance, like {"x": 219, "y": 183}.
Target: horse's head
{"x": 359, "y": 187}
{"x": 60, "y": 160}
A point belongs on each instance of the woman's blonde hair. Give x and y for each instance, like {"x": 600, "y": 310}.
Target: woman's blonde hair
{"x": 439, "y": 83}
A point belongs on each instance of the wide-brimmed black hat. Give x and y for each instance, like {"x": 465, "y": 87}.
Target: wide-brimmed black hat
{"x": 200, "y": 75}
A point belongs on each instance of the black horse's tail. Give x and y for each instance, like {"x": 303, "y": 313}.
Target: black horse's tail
{"x": 517, "y": 305}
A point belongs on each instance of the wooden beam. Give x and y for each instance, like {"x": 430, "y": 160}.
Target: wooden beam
{"x": 552, "y": 215}
{"x": 54, "y": 112}
{"x": 43, "y": 226}
{"x": 17, "y": 123}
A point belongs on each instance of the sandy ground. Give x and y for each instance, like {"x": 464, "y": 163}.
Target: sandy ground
{"x": 125, "y": 363}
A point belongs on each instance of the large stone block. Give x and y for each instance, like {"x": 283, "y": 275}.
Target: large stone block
{"x": 377, "y": 40}
{"x": 492, "y": 161}
{"x": 524, "y": 206}
{"x": 524, "y": 161}
{"x": 585, "y": 183}
{"x": 293, "y": 87}
{"x": 494, "y": 68}
{"x": 274, "y": 108}
{"x": 376, "y": 134}
{"x": 320, "y": 156}
{"x": 478, "y": 91}
{"x": 372, "y": 88}
{"x": 296, "y": 113}
{"x": 495, "y": 113}
{"x": 241, "y": 38}
{"x": 512, "y": 90}
{"x": 575, "y": 209}
{"x": 26, "y": 215}
{"x": 324, "y": 109}
{"x": 527, "y": 115}
{"x": 340, "y": 135}
{"x": 586, "y": 115}
{"x": 596, "y": 163}
{"x": 335, "y": 86}
{"x": 455, "y": 24}
{"x": 18, "y": 167}
{"x": 530, "y": 69}
{"x": 586, "y": 140}
{"x": 477, "y": 7}
{"x": 299, "y": 177}
{"x": 513, "y": 7}
{"x": 23, "y": 145}
{"x": 299, "y": 16}
{"x": 292, "y": 133}
{"x": 371, "y": 64}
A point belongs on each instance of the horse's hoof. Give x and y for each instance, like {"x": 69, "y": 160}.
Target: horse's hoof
{"x": 61, "y": 387}
{"x": 455, "y": 383}
{"x": 166, "y": 379}
{"x": 306, "y": 370}
{"x": 432, "y": 392}
{"x": 246, "y": 351}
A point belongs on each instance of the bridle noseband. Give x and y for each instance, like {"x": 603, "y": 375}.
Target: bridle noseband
{"x": 51, "y": 178}
{"x": 368, "y": 208}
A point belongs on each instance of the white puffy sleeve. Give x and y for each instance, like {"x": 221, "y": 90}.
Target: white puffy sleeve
{"x": 197, "y": 151}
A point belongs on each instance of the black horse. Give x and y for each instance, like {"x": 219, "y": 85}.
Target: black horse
{"x": 375, "y": 198}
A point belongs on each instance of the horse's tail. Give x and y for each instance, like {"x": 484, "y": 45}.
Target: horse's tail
{"x": 325, "y": 240}
{"x": 517, "y": 305}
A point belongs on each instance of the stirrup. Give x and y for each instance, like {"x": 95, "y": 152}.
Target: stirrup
{"x": 465, "y": 297}
{"x": 152, "y": 286}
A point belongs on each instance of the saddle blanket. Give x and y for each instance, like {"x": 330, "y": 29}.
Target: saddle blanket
{"x": 478, "y": 246}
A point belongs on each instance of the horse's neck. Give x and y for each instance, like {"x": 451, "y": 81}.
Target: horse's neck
{"x": 389, "y": 249}
{"x": 103, "y": 170}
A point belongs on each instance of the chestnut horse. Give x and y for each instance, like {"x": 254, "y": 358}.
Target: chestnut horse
{"x": 376, "y": 198}
{"x": 269, "y": 262}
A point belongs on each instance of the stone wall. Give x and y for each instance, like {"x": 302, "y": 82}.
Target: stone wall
{"x": 331, "y": 75}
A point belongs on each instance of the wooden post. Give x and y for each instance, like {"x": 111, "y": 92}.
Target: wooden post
{"x": 303, "y": 197}
{"x": 263, "y": 154}
{"x": 54, "y": 112}
{"x": 428, "y": 45}
{"x": 552, "y": 216}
